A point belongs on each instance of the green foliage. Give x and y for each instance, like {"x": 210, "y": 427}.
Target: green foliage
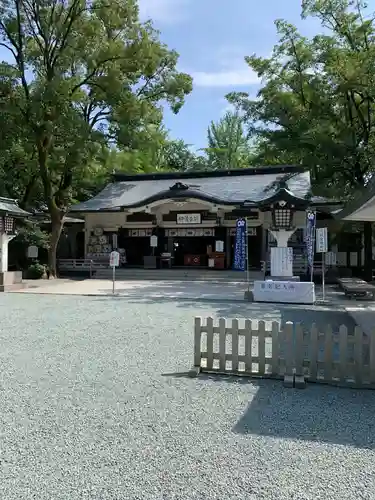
{"x": 228, "y": 146}
{"x": 176, "y": 155}
{"x": 36, "y": 271}
{"x": 30, "y": 234}
{"x": 317, "y": 100}
{"x": 85, "y": 76}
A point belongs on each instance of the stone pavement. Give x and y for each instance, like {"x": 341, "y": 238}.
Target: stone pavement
{"x": 362, "y": 313}
{"x": 229, "y": 291}
{"x": 363, "y": 317}
{"x": 141, "y": 289}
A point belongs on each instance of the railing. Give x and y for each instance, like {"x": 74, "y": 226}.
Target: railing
{"x": 291, "y": 353}
{"x": 80, "y": 265}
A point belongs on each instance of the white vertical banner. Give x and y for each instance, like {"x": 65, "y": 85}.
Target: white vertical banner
{"x": 321, "y": 235}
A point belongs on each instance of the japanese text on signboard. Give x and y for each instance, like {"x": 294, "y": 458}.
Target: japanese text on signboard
{"x": 188, "y": 218}
{"x": 322, "y": 240}
{"x": 278, "y": 286}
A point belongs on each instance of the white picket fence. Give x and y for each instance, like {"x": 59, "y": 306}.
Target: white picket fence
{"x": 247, "y": 348}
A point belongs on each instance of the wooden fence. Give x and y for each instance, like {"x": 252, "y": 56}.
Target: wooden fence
{"x": 291, "y": 352}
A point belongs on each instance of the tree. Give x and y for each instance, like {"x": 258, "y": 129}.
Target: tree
{"x": 228, "y": 146}
{"x": 85, "y": 75}
{"x": 177, "y": 155}
{"x": 316, "y": 103}
{"x": 18, "y": 165}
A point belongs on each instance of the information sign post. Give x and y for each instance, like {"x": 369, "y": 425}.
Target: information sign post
{"x": 322, "y": 247}
{"x": 114, "y": 261}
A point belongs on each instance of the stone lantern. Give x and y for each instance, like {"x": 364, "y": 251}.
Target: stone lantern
{"x": 283, "y": 206}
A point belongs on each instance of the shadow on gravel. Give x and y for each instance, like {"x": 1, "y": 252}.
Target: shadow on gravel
{"x": 306, "y": 315}
{"x": 318, "y": 413}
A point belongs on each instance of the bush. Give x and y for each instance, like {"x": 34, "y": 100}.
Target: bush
{"x": 36, "y": 271}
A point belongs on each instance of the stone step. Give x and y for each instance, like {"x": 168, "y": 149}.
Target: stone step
{"x": 13, "y": 287}
{"x": 176, "y": 275}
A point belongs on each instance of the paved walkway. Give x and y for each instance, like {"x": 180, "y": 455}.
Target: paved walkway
{"x": 363, "y": 313}
{"x": 142, "y": 289}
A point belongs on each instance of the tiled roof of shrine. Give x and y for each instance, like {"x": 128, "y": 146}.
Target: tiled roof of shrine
{"x": 229, "y": 187}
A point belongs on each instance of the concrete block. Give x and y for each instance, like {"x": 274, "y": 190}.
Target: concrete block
{"x": 289, "y": 381}
{"x": 194, "y": 371}
{"x": 10, "y": 280}
{"x": 248, "y": 296}
{"x": 299, "y": 382}
{"x": 284, "y": 278}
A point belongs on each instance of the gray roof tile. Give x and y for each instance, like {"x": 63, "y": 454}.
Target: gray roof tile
{"x": 10, "y": 206}
{"x": 226, "y": 189}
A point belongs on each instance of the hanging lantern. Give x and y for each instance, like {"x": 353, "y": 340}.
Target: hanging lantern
{"x": 6, "y": 224}
{"x": 282, "y": 215}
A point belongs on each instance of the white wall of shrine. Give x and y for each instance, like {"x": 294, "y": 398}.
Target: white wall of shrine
{"x": 111, "y": 222}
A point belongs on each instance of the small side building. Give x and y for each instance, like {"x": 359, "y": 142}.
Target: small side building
{"x": 360, "y": 211}
{"x": 9, "y": 213}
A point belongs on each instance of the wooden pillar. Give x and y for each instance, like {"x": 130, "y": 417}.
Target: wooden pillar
{"x": 228, "y": 249}
{"x": 367, "y": 233}
{"x": 264, "y": 243}
{"x": 170, "y": 245}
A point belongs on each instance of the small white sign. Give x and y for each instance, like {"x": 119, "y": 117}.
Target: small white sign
{"x": 321, "y": 240}
{"x": 153, "y": 241}
{"x": 188, "y": 218}
{"x": 114, "y": 259}
{"x": 219, "y": 246}
{"x": 331, "y": 259}
{"x": 32, "y": 252}
{"x": 292, "y": 292}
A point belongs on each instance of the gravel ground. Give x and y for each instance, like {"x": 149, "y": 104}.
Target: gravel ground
{"x": 95, "y": 405}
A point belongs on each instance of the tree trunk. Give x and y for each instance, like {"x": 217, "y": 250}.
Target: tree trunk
{"x": 56, "y": 228}
{"x": 55, "y": 213}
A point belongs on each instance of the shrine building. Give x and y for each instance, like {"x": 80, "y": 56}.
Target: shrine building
{"x": 193, "y": 216}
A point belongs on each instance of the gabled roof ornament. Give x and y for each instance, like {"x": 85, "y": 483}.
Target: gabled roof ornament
{"x": 179, "y": 186}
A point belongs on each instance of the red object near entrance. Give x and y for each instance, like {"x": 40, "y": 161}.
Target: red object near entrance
{"x": 192, "y": 260}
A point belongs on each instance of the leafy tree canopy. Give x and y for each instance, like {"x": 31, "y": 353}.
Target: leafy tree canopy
{"x": 228, "y": 145}
{"x": 84, "y": 75}
{"x": 316, "y": 105}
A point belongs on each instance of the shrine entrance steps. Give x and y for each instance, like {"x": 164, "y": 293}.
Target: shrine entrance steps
{"x": 181, "y": 274}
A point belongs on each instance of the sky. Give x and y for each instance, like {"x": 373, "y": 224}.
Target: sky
{"x": 212, "y": 38}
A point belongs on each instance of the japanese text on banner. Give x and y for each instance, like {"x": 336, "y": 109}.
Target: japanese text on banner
{"x": 240, "y": 246}
{"x": 309, "y": 238}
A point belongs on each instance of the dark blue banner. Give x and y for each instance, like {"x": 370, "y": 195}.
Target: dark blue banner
{"x": 310, "y": 237}
{"x": 239, "y": 263}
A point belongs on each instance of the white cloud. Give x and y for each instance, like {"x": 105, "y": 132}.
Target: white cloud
{"x": 163, "y": 11}
{"x": 232, "y": 70}
{"x": 228, "y": 78}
